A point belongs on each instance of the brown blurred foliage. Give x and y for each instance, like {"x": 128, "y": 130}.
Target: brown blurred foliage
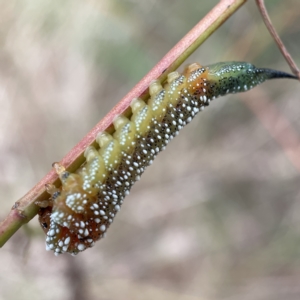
{"x": 216, "y": 217}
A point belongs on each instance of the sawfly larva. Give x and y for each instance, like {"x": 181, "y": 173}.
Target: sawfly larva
{"x": 81, "y": 210}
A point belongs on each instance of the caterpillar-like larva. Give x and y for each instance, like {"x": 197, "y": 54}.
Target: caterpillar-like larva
{"x": 80, "y": 212}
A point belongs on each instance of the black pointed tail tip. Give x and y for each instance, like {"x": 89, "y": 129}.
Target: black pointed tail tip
{"x": 277, "y": 74}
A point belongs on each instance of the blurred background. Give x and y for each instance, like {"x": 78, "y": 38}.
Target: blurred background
{"x": 217, "y": 216}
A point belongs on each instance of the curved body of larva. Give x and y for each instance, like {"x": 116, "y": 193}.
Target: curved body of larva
{"x": 81, "y": 211}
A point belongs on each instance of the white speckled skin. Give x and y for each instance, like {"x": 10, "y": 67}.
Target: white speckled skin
{"x": 81, "y": 211}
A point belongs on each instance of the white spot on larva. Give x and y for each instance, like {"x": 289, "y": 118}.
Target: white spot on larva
{"x": 80, "y": 208}
{"x": 51, "y": 232}
{"x": 81, "y": 247}
{"x": 67, "y": 240}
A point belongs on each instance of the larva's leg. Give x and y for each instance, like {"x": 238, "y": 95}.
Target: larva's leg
{"x": 46, "y": 206}
{"x": 92, "y": 172}
{"x": 158, "y": 101}
{"x": 125, "y": 133}
{"x": 194, "y": 67}
{"x": 44, "y": 217}
{"x": 60, "y": 171}
{"x": 110, "y": 150}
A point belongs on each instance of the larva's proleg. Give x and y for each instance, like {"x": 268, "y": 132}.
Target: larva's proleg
{"x": 81, "y": 210}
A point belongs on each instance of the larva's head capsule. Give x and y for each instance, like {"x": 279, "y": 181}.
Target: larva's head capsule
{"x": 234, "y": 77}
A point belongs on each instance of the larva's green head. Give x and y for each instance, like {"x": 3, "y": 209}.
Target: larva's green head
{"x": 235, "y": 77}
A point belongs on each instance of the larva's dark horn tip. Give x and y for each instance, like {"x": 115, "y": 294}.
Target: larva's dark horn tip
{"x": 277, "y": 74}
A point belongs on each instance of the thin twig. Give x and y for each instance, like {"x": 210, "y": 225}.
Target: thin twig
{"x": 25, "y": 209}
{"x": 272, "y": 30}
{"x": 273, "y": 119}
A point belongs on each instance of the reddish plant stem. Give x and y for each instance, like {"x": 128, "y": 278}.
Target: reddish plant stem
{"x": 25, "y": 209}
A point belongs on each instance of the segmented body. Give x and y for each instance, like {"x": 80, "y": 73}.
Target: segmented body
{"x": 81, "y": 211}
